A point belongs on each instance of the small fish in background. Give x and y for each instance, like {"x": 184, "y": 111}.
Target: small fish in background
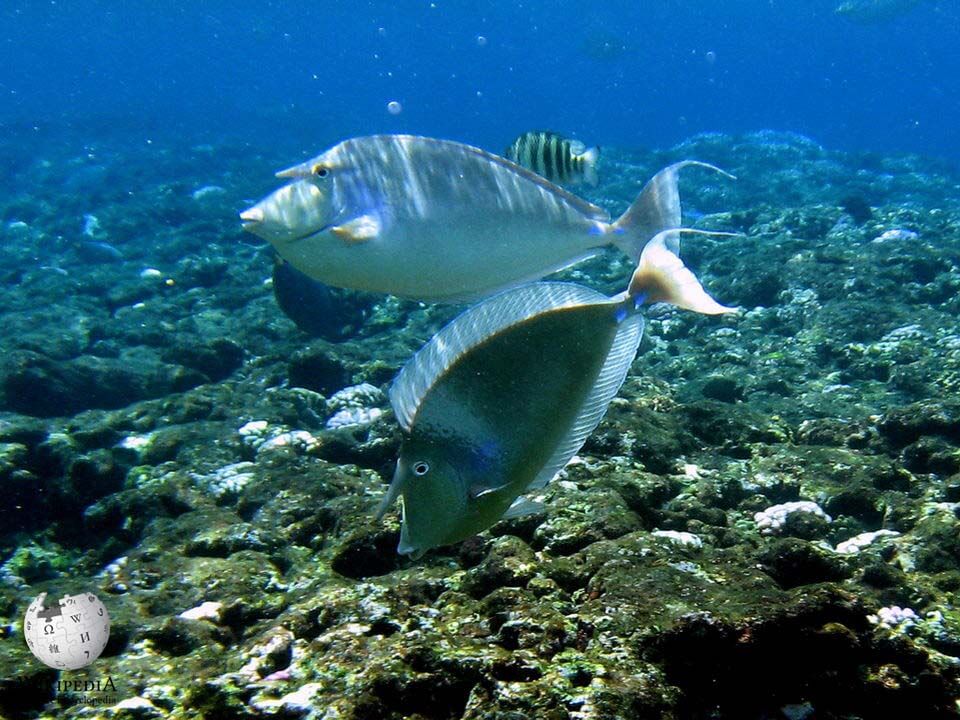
{"x": 857, "y": 207}
{"x": 56, "y": 269}
{"x": 555, "y": 157}
{"x": 440, "y": 221}
{"x": 602, "y": 45}
{"x": 875, "y": 11}
{"x": 499, "y": 400}
{"x": 98, "y": 251}
{"x": 93, "y": 248}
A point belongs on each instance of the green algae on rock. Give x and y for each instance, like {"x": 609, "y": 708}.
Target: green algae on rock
{"x": 645, "y": 588}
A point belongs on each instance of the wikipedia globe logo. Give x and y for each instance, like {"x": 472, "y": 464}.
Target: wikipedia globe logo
{"x": 68, "y": 634}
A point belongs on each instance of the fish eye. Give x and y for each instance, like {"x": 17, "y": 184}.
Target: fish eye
{"x": 421, "y": 468}
{"x": 320, "y": 171}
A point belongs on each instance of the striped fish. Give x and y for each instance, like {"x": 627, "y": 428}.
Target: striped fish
{"x": 555, "y": 157}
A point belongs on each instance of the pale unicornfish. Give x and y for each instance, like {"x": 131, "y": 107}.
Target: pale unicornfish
{"x": 499, "y": 400}
{"x": 439, "y": 221}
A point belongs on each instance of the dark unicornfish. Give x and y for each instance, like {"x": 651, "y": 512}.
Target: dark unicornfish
{"x": 498, "y": 401}
{"x": 439, "y": 221}
{"x": 315, "y": 308}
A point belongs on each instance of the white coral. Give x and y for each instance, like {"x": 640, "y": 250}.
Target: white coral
{"x": 858, "y": 542}
{"x": 229, "y": 479}
{"x": 896, "y": 234}
{"x": 204, "y": 611}
{"x": 894, "y": 617}
{"x": 355, "y": 405}
{"x": 680, "y": 538}
{"x": 298, "y": 439}
{"x": 772, "y": 520}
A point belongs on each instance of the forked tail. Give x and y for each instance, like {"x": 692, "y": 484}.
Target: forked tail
{"x": 656, "y": 209}
{"x": 661, "y": 276}
{"x": 589, "y": 159}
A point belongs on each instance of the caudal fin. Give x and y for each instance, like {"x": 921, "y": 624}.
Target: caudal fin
{"x": 657, "y": 208}
{"x": 590, "y": 158}
{"x": 661, "y": 276}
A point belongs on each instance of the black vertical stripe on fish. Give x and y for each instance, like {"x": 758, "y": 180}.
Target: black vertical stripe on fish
{"x": 567, "y": 164}
{"x": 554, "y": 156}
{"x": 561, "y": 151}
{"x": 549, "y": 153}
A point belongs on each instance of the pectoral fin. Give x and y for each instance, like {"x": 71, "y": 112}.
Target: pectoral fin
{"x": 478, "y": 491}
{"x": 358, "y": 230}
{"x": 523, "y": 506}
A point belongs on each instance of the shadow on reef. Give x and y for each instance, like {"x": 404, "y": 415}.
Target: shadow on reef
{"x": 820, "y": 653}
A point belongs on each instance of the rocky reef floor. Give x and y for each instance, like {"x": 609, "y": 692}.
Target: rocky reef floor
{"x": 765, "y": 526}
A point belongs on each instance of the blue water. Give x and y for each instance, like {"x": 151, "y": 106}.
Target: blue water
{"x": 639, "y": 74}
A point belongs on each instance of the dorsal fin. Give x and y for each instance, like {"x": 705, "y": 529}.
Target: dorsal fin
{"x": 591, "y": 211}
{"x": 470, "y": 329}
{"x": 594, "y": 212}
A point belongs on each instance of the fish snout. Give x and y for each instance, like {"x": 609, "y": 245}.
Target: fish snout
{"x": 252, "y": 218}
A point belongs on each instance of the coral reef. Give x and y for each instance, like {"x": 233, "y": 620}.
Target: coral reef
{"x": 765, "y": 525}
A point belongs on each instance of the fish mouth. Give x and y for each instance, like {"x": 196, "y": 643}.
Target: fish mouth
{"x": 251, "y": 218}
{"x": 308, "y": 235}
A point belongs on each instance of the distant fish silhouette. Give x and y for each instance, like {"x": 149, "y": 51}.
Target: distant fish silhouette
{"x": 98, "y": 251}
{"x": 54, "y": 269}
{"x": 602, "y": 45}
{"x": 857, "y": 207}
{"x": 875, "y": 11}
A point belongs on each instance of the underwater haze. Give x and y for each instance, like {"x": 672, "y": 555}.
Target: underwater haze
{"x": 619, "y": 73}
{"x": 657, "y": 416}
